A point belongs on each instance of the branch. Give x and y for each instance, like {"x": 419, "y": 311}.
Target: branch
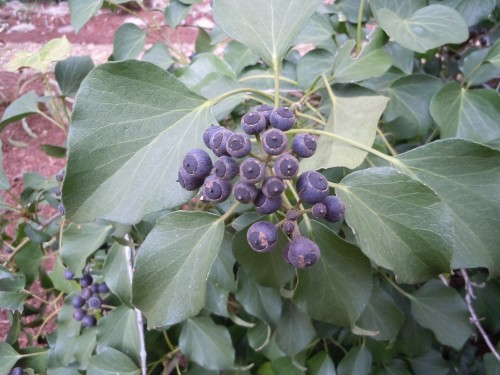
{"x": 469, "y": 296}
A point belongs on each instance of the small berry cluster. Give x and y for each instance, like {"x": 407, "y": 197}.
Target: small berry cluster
{"x": 90, "y": 297}
{"x": 60, "y": 178}
{"x": 262, "y": 178}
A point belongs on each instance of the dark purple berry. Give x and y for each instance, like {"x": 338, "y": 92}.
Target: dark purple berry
{"x": 60, "y": 176}
{"x": 78, "y": 314}
{"x": 188, "y": 181}
{"x": 68, "y": 274}
{"x": 95, "y": 302}
{"x": 312, "y": 187}
{"x": 286, "y": 167}
{"x": 304, "y": 145}
{"x": 197, "y": 163}
{"x": 86, "y": 280}
{"x": 253, "y": 123}
{"x": 210, "y": 132}
{"x": 265, "y": 205}
{"x": 274, "y": 142}
{"x": 60, "y": 208}
{"x": 57, "y": 192}
{"x": 285, "y": 252}
{"x": 262, "y": 236}
{"x": 288, "y": 227}
{"x": 89, "y": 321}
{"x": 266, "y": 110}
{"x": 216, "y": 189}
{"x": 334, "y": 208}
{"x": 244, "y": 192}
{"x": 16, "y": 371}
{"x": 252, "y": 170}
{"x": 94, "y": 288}
{"x": 102, "y": 288}
{"x": 303, "y": 252}
{"x": 78, "y": 301}
{"x": 319, "y": 210}
{"x": 226, "y": 168}
{"x": 292, "y": 214}
{"x": 87, "y": 293}
{"x": 238, "y": 145}
{"x": 273, "y": 186}
{"x": 218, "y": 142}
{"x": 282, "y": 118}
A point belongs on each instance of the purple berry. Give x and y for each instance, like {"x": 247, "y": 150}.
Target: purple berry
{"x": 61, "y": 209}
{"x": 282, "y": 118}
{"x": 274, "y": 142}
{"x": 253, "y": 123}
{"x": 94, "y": 288}
{"x": 188, "y": 181}
{"x": 68, "y": 274}
{"x": 216, "y": 189}
{"x": 238, "y": 145}
{"x": 286, "y": 167}
{"x": 102, "y": 288}
{"x": 266, "y": 110}
{"x": 16, "y": 371}
{"x": 210, "y": 132}
{"x": 78, "y": 314}
{"x": 288, "y": 227}
{"x": 95, "y": 302}
{"x": 252, "y": 170}
{"x": 78, "y": 301}
{"x": 319, "y": 210}
{"x": 226, "y": 168}
{"x": 273, "y": 186}
{"x": 197, "y": 163}
{"x": 87, "y": 293}
{"x": 60, "y": 176}
{"x": 292, "y": 214}
{"x": 89, "y": 321}
{"x": 334, "y": 208}
{"x": 244, "y": 192}
{"x": 218, "y": 142}
{"x": 303, "y": 252}
{"x": 58, "y": 192}
{"x": 265, "y": 205}
{"x": 312, "y": 187}
{"x": 262, "y": 236}
{"x": 86, "y": 280}
{"x": 304, "y": 145}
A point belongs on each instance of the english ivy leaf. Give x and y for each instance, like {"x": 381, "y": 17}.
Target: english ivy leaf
{"x": 470, "y": 114}
{"x": 82, "y": 11}
{"x": 477, "y": 69}
{"x": 403, "y": 8}
{"x": 426, "y": 28}
{"x": 175, "y": 12}
{"x": 344, "y": 275}
{"x": 71, "y": 72}
{"x": 28, "y": 261}
{"x": 4, "y": 180}
{"x": 317, "y": 29}
{"x": 60, "y": 283}
{"x": 20, "y": 108}
{"x": 410, "y": 97}
{"x": 355, "y": 118}
{"x": 239, "y": 56}
{"x": 430, "y": 363}
{"x": 217, "y": 299}
{"x": 11, "y": 282}
{"x": 399, "y": 223}
{"x": 173, "y": 264}
{"x": 284, "y": 366}
{"x": 491, "y": 364}
{"x": 116, "y": 273}
{"x": 207, "y": 343}
{"x": 493, "y": 56}
{"x": 158, "y": 54}
{"x": 466, "y": 176}
{"x": 12, "y": 300}
{"x": 128, "y": 42}
{"x": 221, "y": 272}
{"x": 312, "y": 65}
{"x": 84, "y": 347}
{"x": 381, "y": 315}
{"x": 350, "y": 8}
{"x": 321, "y": 364}
{"x": 79, "y": 241}
{"x": 295, "y": 330}
{"x": 443, "y": 311}
{"x": 473, "y": 11}
{"x": 358, "y": 361}
{"x": 203, "y": 65}
{"x": 9, "y": 358}
{"x": 402, "y": 58}
{"x": 269, "y": 27}
{"x": 118, "y": 330}
{"x": 54, "y": 151}
{"x": 110, "y": 362}
{"x": 126, "y": 144}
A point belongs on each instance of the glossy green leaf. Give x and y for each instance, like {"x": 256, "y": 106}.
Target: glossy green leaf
{"x": 312, "y": 65}
{"x": 399, "y": 223}
{"x": 28, "y": 261}
{"x": 344, "y": 274}
{"x": 426, "y": 28}
{"x": 430, "y": 363}
{"x": 79, "y": 241}
{"x": 71, "y": 72}
{"x": 175, "y": 12}
{"x": 350, "y": 8}
{"x": 477, "y": 69}
{"x": 493, "y": 56}
{"x": 222, "y": 270}
{"x": 470, "y": 114}
{"x": 116, "y": 274}
{"x": 207, "y": 343}
{"x": 11, "y": 282}
{"x": 443, "y": 311}
{"x": 410, "y": 97}
{"x": 285, "y": 366}
{"x": 402, "y": 58}
{"x": 473, "y": 11}
{"x": 267, "y": 27}
{"x": 239, "y": 56}
{"x": 9, "y": 358}
{"x": 295, "y": 330}
{"x": 12, "y": 300}
{"x": 317, "y": 29}
{"x": 403, "y": 8}
{"x": 20, "y": 108}
{"x": 54, "y": 151}
{"x": 119, "y": 330}
{"x": 321, "y": 364}
{"x": 159, "y": 55}
{"x": 60, "y": 283}
{"x": 355, "y": 118}
{"x": 125, "y": 144}
{"x": 173, "y": 264}
{"x": 4, "y": 180}
{"x": 217, "y": 299}
{"x": 128, "y": 42}
{"x": 358, "y": 361}
{"x": 466, "y": 176}
{"x": 82, "y": 11}
{"x": 110, "y": 362}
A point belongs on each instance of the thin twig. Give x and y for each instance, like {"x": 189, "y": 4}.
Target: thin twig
{"x": 469, "y": 296}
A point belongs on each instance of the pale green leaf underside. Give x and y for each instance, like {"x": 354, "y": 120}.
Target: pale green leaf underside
{"x": 172, "y": 266}
{"x": 132, "y": 124}
{"x": 82, "y": 11}
{"x": 494, "y": 54}
{"x": 4, "y": 180}
{"x": 111, "y": 362}
{"x": 128, "y": 42}
{"x": 19, "y": 108}
{"x": 268, "y": 27}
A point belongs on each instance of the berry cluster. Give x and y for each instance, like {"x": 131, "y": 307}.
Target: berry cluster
{"x": 88, "y": 303}
{"x": 263, "y": 178}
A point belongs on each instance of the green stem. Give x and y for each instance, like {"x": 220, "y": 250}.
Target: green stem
{"x": 258, "y": 76}
{"x": 276, "y": 68}
{"x": 229, "y": 212}
{"x": 52, "y": 121}
{"x": 397, "y": 287}
{"x": 360, "y": 26}
{"x": 239, "y": 91}
{"x": 297, "y": 198}
{"x": 337, "y": 186}
{"x": 386, "y": 142}
{"x": 309, "y": 117}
